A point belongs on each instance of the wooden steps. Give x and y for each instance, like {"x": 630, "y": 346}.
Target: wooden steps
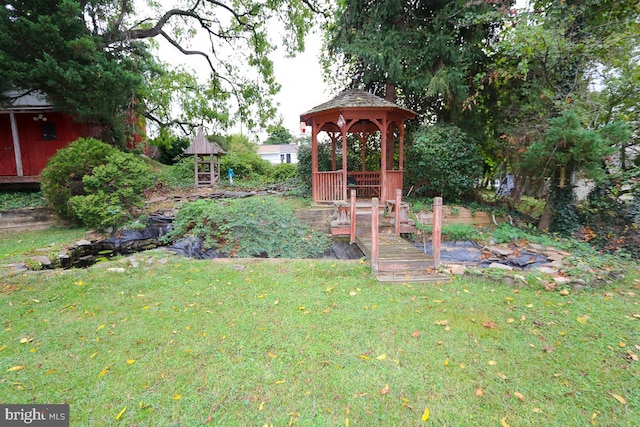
{"x": 399, "y": 261}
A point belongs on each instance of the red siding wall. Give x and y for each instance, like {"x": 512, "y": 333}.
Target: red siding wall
{"x": 34, "y": 149}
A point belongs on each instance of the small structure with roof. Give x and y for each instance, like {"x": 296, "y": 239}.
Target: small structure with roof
{"x": 206, "y": 160}
{"x": 370, "y": 131}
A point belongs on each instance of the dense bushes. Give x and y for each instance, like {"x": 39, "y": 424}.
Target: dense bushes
{"x": 95, "y": 184}
{"x": 443, "y": 161}
{"x": 252, "y": 227}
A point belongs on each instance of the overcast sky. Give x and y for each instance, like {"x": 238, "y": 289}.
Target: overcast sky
{"x": 302, "y": 84}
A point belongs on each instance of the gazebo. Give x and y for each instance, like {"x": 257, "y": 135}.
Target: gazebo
{"x": 362, "y": 115}
{"x": 206, "y": 160}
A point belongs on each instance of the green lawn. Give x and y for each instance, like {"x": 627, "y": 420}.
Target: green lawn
{"x": 164, "y": 341}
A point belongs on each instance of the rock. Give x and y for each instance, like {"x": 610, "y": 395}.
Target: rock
{"x": 457, "y": 269}
{"x": 553, "y": 256}
{"x": 17, "y": 267}
{"x": 83, "y": 242}
{"x": 536, "y": 247}
{"x": 547, "y": 270}
{"x": 116, "y": 269}
{"x": 561, "y": 280}
{"x": 42, "y": 260}
{"x": 500, "y": 266}
{"x": 500, "y": 251}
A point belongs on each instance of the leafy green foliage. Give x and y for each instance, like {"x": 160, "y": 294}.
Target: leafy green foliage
{"x": 113, "y": 190}
{"x": 93, "y": 183}
{"x": 305, "y": 164}
{"x": 171, "y": 147}
{"x": 61, "y": 179}
{"x": 428, "y": 51}
{"x": 20, "y": 199}
{"x": 278, "y": 135}
{"x": 611, "y": 214}
{"x": 443, "y": 161}
{"x": 245, "y": 165}
{"x": 180, "y": 174}
{"x": 283, "y": 172}
{"x": 251, "y": 227}
{"x": 93, "y": 59}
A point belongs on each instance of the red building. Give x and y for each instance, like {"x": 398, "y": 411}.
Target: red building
{"x": 31, "y": 132}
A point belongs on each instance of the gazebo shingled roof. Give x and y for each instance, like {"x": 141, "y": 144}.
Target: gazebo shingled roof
{"x": 200, "y": 145}
{"x": 355, "y": 98}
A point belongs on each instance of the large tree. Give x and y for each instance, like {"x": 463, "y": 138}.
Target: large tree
{"x": 93, "y": 58}
{"x": 424, "y": 53}
{"x": 559, "y": 87}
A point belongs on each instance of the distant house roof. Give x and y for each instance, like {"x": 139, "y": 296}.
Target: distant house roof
{"x": 355, "y": 98}
{"x": 200, "y": 145}
{"x": 277, "y": 149}
{"x": 16, "y": 100}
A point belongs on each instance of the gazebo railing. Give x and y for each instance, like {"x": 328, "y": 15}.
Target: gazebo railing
{"x": 366, "y": 184}
{"x": 329, "y": 186}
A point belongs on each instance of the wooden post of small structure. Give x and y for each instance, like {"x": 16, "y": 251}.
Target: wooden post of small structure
{"x": 352, "y": 231}
{"x": 397, "y": 216}
{"x": 375, "y": 242}
{"x": 437, "y": 230}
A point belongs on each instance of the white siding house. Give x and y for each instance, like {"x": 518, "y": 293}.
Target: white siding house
{"x": 279, "y": 153}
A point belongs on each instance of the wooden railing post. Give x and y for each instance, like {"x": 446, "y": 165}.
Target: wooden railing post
{"x": 396, "y": 229}
{"x": 437, "y": 230}
{"x": 352, "y": 231}
{"x": 374, "y": 234}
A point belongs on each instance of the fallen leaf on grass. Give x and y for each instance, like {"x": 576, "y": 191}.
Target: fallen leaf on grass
{"x": 131, "y": 361}
{"x": 425, "y": 414}
{"x": 489, "y": 324}
{"x": 103, "y": 372}
{"x": 382, "y": 356}
{"x": 415, "y": 334}
{"x": 479, "y": 392}
{"x": 26, "y": 340}
{"x": 385, "y": 390}
{"x": 177, "y": 396}
{"x": 15, "y": 368}
{"x": 582, "y": 319}
{"x": 121, "y": 413}
{"x": 619, "y": 398}
{"x": 261, "y": 407}
{"x": 503, "y": 422}
{"x": 519, "y": 396}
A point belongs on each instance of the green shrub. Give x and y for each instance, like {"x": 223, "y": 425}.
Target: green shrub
{"x": 283, "y": 172}
{"x": 245, "y": 166}
{"x": 19, "y": 199}
{"x": 94, "y": 184}
{"x": 251, "y": 227}
{"x": 443, "y": 161}
{"x": 61, "y": 179}
{"x": 181, "y": 174}
{"x": 113, "y": 190}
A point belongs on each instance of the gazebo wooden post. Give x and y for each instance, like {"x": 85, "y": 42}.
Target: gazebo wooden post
{"x": 437, "y": 230}
{"x": 344, "y": 162}
{"x": 314, "y": 161}
{"x": 352, "y": 229}
{"x": 334, "y": 144}
{"x": 401, "y": 150}
{"x": 383, "y": 160}
{"x": 375, "y": 242}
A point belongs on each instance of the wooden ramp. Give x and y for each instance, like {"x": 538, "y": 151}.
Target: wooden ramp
{"x": 399, "y": 261}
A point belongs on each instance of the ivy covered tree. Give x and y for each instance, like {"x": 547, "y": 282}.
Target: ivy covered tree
{"x": 96, "y": 59}
{"x": 425, "y": 54}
